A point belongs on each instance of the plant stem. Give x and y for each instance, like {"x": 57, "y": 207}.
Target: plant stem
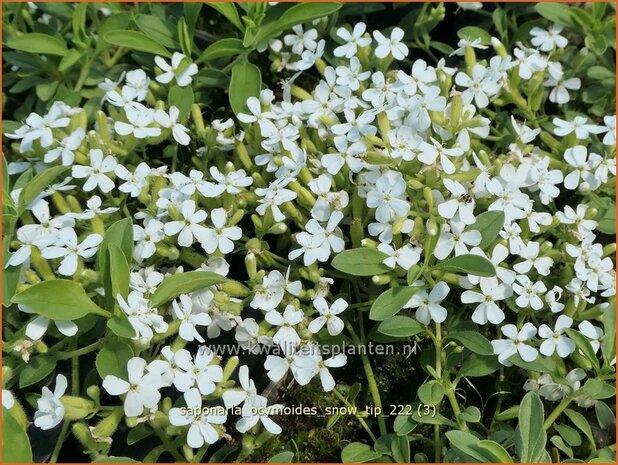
{"x": 60, "y": 442}
{"x": 360, "y": 419}
{"x": 371, "y": 380}
{"x": 450, "y": 394}
{"x": 169, "y": 447}
{"x": 79, "y": 352}
{"x": 559, "y": 409}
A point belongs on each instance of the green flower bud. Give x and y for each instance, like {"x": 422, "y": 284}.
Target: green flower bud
{"x": 160, "y": 420}
{"x": 370, "y": 243}
{"x": 131, "y": 422}
{"x": 187, "y": 452}
{"x": 94, "y": 392}
{"x": 234, "y": 288}
{"x": 76, "y": 408}
{"x": 251, "y": 265}
{"x": 41, "y": 347}
{"x": 432, "y": 227}
{"x": 229, "y": 368}
{"x": 381, "y": 280}
{"x": 83, "y": 435}
{"x": 609, "y": 249}
{"x": 74, "y": 204}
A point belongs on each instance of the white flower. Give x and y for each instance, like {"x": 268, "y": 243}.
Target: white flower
{"x": 166, "y": 368}
{"x": 140, "y": 118}
{"x": 147, "y": 238}
{"x": 487, "y": 309}
{"x": 463, "y": 43}
{"x": 189, "y": 319}
{"x": 71, "y": 250}
{"x": 392, "y": 45}
{"x": 28, "y": 238}
{"x": 201, "y": 430}
{"x": 220, "y": 237}
{"x": 579, "y": 124}
{"x": 142, "y": 318}
{"x": 301, "y": 39}
{"x": 231, "y": 182}
{"x": 273, "y": 196}
{"x": 8, "y": 400}
{"x": 328, "y": 316}
{"x": 66, "y": 148}
{"x": 530, "y": 252}
{"x": 610, "y": 136}
{"x": 506, "y": 348}
{"x": 584, "y": 164}
{"x": 560, "y": 89}
{"x": 180, "y": 69}
{"x": 456, "y": 238}
{"x": 593, "y": 333}
{"x": 96, "y": 171}
{"x": 40, "y": 128}
{"x": 327, "y": 380}
{"x": 555, "y": 391}
{"x": 50, "y": 411}
{"x": 529, "y": 292}
{"x": 479, "y": 86}
{"x": 313, "y": 247}
{"x": 200, "y": 371}
{"x": 170, "y": 120}
{"x": 352, "y": 41}
{"x": 389, "y": 197}
{"x": 262, "y": 412}
{"x": 547, "y": 40}
{"x": 286, "y": 335}
{"x": 136, "y": 181}
{"x": 142, "y": 390}
{"x": 524, "y": 133}
{"x": 405, "y": 256}
{"x": 248, "y": 393}
{"x": 190, "y": 227}
{"x": 94, "y": 208}
{"x": 461, "y": 203}
{"x": 428, "y": 305}
{"x": 556, "y": 341}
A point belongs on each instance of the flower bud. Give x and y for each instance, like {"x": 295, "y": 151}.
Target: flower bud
{"x": 234, "y": 288}
{"x": 187, "y": 452}
{"x": 381, "y": 280}
{"x": 609, "y": 249}
{"x": 278, "y": 228}
{"x": 251, "y": 265}
{"x": 230, "y": 367}
{"x": 76, "y": 408}
{"x": 83, "y": 435}
{"x": 432, "y": 227}
{"x": 41, "y": 347}
{"x": 498, "y": 47}
{"x": 370, "y": 243}
{"x": 94, "y": 392}
{"x": 131, "y": 422}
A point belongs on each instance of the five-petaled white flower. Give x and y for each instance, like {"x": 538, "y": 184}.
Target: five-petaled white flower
{"x": 96, "y": 172}
{"x": 50, "y": 411}
{"x": 71, "y": 250}
{"x": 180, "y": 69}
{"x": 428, "y": 304}
{"x": 328, "y": 316}
{"x": 506, "y": 348}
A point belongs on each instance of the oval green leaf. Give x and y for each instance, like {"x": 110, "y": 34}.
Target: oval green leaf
{"x": 36, "y": 42}
{"x": 469, "y": 264}
{"x": 361, "y": 262}
{"x": 136, "y": 41}
{"x": 390, "y": 302}
{"x": 246, "y": 82}
{"x": 184, "y": 283}
{"x": 400, "y": 326}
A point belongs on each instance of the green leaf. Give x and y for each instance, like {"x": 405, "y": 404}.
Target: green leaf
{"x": 38, "y": 184}
{"x": 495, "y": 452}
{"x": 120, "y": 234}
{"x": 298, "y": 14}
{"x": 431, "y": 392}
{"x": 182, "y": 98}
{"x": 138, "y": 433}
{"x": 185, "y": 37}
{"x": 121, "y": 326}
{"x": 282, "y": 457}
{"x": 229, "y": 11}
{"x": 136, "y": 41}
{"x": 6, "y": 180}
{"x": 597, "y": 389}
{"x": 608, "y": 344}
{"x": 361, "y": 262}
{"x": 530, "y": 436}
{"x": 469, "y": 264}
{"x": 605, "y": 416}
{"x": 471, "y": 414}
{"x": 583, "y": 344}
{"x": 606, "y": 214}
{"x": 246, "y": 82}
{"x": 476, "y": 366}
{"x": 570, "y": 435}
{"x": 38, "y": 368}
{"x": 220, "y": 49}
{"x": 561, "y": 445}
{"x": 556, "y": 12}
{"x": 13, "y": 434}
{"x": 400, "y": 326}
{"x": 58, "y": 299}
{"x": 489, "y": 224}
{"x": 390, "y": 302}
{"x": 467, "y": 444}
{"x": 72, "y": 57}
{"x": 112, "y": 359}
{"x": 184, "y": 283}
{"x": 582, "y": 423}
{"x": 36, "y": 42}
{"x": 157, "y": 29}
{"x": 119, "y": 271}
{"x": 191, "y": 15}
{"x": 400, "y": 449}
{"x": 471, "y": 33}
{"x": 473, "y": 341}
{"x": 357, "y": 452}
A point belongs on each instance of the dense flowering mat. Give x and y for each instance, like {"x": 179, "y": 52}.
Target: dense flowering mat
{"x": 308, "y": 232}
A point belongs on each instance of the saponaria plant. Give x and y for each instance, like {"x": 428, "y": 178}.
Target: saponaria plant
{"x": 363, "y": 186}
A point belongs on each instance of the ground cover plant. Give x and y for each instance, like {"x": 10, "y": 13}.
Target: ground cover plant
{"x": 328, "y": 232}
